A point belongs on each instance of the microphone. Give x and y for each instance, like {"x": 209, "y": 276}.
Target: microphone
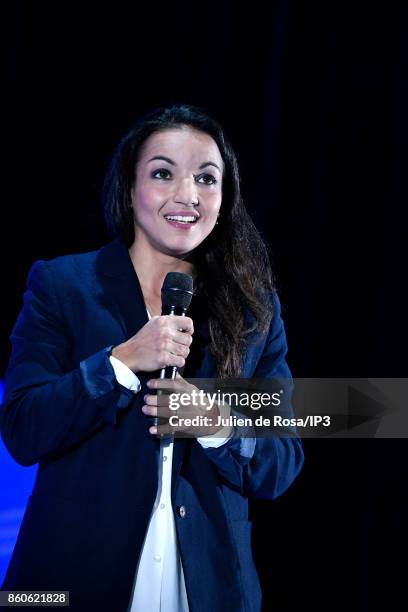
{"x": 176, "y": 293}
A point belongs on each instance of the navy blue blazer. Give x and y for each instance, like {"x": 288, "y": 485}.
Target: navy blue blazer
{"x": 97, "y": 477}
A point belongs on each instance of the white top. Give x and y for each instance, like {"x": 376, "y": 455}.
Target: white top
{"x": 159, "y": 581}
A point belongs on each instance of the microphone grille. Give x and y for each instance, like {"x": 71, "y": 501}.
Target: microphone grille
{"x": 177, "y": 290}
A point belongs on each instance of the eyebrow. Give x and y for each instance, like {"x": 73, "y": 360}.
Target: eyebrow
{"x": 170, "y": 161}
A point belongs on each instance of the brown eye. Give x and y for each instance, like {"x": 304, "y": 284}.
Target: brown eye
{"x": 160, "y": 171}
{"x": 209, "y": 177}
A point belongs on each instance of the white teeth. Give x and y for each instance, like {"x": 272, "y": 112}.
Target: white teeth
{"x": 180, "y": 218}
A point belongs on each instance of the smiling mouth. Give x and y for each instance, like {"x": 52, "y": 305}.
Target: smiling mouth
{"x": 181, "y": 219}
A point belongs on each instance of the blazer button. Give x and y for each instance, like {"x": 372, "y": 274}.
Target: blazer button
{"x": 181, "y": 510}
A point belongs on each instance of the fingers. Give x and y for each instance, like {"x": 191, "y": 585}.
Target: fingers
{"x": 168, "y": 359}
{"x": 184, "y": 323}
{"x": 177, "y": 385}
{"x": 176, "y": 348}
{"x": 173, "y": 345}
{"x": 156, "y": 411}
{"x": 162, "y": 431}
{"x": 182, "y": 338}
{"x": 161, "y": 399}
{"x": 166, "y": 430}
{"x": 158, "y": 405}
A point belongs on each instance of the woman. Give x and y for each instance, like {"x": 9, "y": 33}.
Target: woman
{"x": 121, "y": 517}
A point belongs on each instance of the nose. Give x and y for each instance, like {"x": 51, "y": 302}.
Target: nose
{"x": 186, "y": 192}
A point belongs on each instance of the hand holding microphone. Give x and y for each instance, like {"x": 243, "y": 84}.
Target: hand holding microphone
{"x": 160, "y": 345}
{"x": 157, "y": 344}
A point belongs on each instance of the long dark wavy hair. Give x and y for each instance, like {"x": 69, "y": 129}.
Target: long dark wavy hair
{"x": 234, "y": 276}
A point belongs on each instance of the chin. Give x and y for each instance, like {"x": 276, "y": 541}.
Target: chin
{"x": 178, "y": 250}
{"x": 180, "y": 247}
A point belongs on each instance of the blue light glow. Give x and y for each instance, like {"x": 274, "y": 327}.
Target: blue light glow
{"x": 16, "y": 483}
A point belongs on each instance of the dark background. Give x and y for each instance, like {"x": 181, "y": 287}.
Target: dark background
{"x": 314, "y": 97}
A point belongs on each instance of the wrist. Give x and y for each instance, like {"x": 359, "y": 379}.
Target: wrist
{"x": 120, "y": 352}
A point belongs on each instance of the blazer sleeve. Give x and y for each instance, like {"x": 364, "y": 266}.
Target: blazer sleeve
{"x": 49, "y": 407}
{"x": 263, "y": 467}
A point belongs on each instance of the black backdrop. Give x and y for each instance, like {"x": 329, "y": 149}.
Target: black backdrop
{"x": 314, "y": 98}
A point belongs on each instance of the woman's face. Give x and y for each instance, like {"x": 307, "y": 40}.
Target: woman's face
{"x": 177, "y": 192}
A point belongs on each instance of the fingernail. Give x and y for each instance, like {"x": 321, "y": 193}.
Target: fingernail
{"x": 153, "y": 430}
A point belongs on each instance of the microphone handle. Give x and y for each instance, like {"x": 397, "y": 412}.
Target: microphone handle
{"x": 169, "y": 372}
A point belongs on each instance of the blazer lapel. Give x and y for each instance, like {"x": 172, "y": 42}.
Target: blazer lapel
{"x": 121, "y": 287}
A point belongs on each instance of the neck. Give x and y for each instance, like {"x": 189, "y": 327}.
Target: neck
{"x": 152, "y": 266}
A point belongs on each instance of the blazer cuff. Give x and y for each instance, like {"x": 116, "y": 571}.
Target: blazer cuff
{"x": 231, "y": 457}
{"x": 241, "y": 443}
{"x": 100, "y": 384}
